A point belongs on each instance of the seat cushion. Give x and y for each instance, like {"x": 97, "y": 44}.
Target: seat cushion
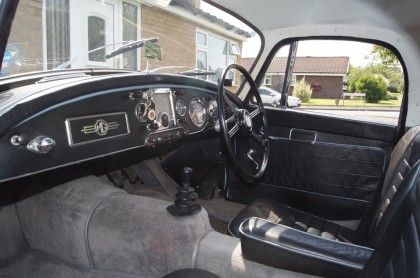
{"x": 277, "y": 212}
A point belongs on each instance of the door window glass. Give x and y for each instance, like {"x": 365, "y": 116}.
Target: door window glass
{"x": 343, "y": 78}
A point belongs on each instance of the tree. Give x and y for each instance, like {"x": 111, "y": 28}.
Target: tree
{"x": 373, "y": 86}
{"x": 302, "y": 90}
{"x": 384, "y": 55}
{"x": 392, "y": 74}
{"x": 354, "y": 75}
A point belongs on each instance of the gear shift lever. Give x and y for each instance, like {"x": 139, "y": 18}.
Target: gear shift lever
{"x": 185, "y": 198}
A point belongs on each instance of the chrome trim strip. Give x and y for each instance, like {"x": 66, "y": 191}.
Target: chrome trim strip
{"x": 105, "y": 92}
{"x": 303, "y": 131}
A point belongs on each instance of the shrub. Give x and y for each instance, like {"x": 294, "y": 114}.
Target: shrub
{"x": 392, "y": 90}
{"x": 401, "y": 88}
{"x": 374, "y": 87}
{"x": 391, "y": 96}
{"x": 302, "y": 90}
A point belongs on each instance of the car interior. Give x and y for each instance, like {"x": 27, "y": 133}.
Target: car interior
{"x": 120, "y": 173}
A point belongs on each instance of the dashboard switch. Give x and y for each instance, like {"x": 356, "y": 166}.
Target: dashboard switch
{"x": 41, "y": 145}
{"x": 18, "y": 140}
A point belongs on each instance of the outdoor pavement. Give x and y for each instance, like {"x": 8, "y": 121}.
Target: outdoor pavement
{"x": 350, "y": 108}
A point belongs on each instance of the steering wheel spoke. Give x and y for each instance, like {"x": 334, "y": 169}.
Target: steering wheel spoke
{"x": 255, "y": 113}
{"x": 233, "y": 130}
{"x": 259, "y": 138}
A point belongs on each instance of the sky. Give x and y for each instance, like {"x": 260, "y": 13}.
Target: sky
{"x": 357, "y": 51}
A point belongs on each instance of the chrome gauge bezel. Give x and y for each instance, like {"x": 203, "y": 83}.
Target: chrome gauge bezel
{"x": 213, "y": 105}
{"x": 184, "y": 105}
{"x": 141, "y": 118}
{"x": 203, "y": 109}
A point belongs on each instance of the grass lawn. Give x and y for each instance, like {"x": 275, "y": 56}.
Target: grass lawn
{"x": 352, "y": 102}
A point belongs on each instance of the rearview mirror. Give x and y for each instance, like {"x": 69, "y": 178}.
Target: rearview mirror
{"x": 153, "y": 51}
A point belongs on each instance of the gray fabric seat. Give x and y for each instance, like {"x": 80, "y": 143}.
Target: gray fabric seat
{"x": 404, "y": 156}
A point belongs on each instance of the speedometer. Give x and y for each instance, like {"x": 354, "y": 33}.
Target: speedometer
{"x": 197, "y": 112}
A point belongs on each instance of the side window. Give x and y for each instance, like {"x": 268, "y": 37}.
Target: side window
{"x": 343, "y": 78}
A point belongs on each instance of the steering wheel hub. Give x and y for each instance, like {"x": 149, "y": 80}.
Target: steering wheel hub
{"x": 244, "y": 119}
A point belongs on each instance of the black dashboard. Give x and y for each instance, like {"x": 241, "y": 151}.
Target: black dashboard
{"x": 46, "y": 124}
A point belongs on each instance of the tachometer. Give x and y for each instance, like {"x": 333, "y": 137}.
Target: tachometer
{"x": 197, "y": 112}
{"x": 180, "y": 107}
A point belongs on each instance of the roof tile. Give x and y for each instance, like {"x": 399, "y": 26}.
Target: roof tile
{"x": 331, "y": 65}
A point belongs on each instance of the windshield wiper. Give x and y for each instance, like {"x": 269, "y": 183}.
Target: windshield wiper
{"x": 129, "y": 45}
{"x": 197, "y": 72}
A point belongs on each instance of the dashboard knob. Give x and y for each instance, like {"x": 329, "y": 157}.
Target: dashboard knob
{"x": 18, "y": 140}
{"x": 41, "y": 145}
{"x": 164, "y": 120}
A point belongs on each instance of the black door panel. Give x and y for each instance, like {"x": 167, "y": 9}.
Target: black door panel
{"x": 330, "y": 167}
{"x": 335, "y": 169}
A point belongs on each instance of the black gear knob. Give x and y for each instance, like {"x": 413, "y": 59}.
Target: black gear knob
{"x": 187, "y": 173}
{"x": 185, "y": 198}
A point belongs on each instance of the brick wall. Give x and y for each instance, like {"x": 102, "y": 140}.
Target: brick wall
{"x": 27, "y": 29}
{"x": 331, "y": 86}
{"x": 176, "y": 37}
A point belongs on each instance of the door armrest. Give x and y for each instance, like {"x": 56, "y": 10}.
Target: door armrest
{"x": 280, "y": 246}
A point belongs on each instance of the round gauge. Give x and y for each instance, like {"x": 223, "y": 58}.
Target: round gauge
{"x": 180, "y": 107}
{"x": 213, "y": 110}
{"x": 197, "y": 112}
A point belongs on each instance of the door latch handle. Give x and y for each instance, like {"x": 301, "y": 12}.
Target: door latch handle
{"x": 249, "y": 154}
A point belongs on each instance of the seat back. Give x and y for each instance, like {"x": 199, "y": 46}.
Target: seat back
{"x": 397, "y": 248}
{"x": 405, "y": 154}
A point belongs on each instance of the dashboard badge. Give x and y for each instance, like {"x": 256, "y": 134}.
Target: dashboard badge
{"x": 92, "y": 128}
{"x": 101, "y": 127}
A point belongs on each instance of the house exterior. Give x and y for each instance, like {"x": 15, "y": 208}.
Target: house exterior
{"x": 214, "y": 42}
{"x": 326, "y": 75}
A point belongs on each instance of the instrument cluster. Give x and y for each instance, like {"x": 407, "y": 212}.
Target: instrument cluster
{"x": 170, "y": 113}
{"x": 195, "y": 110}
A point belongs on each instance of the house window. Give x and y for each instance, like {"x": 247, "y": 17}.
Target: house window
{"x": 96, "y": 38}
{"x": 57, "y": 32}
{"x": 130, "y": 34}
{"x": 267, "y": 80}
{"x": 201, "y": 39}
{"x": 293, "y": 81}
{"x": 234, "y": 48}
{"x": 214, "y": 53}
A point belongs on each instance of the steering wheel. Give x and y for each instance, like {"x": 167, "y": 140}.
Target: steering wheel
{"x": 244, "y": 128}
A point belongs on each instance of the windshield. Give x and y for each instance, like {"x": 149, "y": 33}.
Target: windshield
{"x": 189, "y": 36}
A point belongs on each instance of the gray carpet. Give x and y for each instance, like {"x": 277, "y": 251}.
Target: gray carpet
{"x": 35, "y": 264}
{"x": 158, "y": 184}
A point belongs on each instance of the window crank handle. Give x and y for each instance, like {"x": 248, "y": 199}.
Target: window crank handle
{"x": 249, "y": 154}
